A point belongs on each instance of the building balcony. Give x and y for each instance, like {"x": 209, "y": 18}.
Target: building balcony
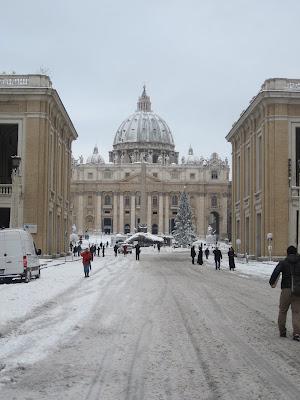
{"x": 5, "y": 195}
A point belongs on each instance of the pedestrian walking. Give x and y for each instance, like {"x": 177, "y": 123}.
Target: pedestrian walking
{"x": 86, "y": 261}
{"x": 218, "y": 257}
{"x": 193, "y": 254}
{"x": 101, "y": 244}
{"x": 137, "y": 251}
{"x": 74, "y": 250}
{"x": 125, "y": 250}
{"x": 116, "y": 250}
{"x": 98, "y": 251}
{"x": 289, "y": 268}
{"x": 92, "y": 252}
{"x": 158, "y": 247}
{"x": 200, "y": 256}
{"x": 206, "y": 251}
{"x": 231, "y": 255}
{"x": 103, "y": 251}
{"x": 107, "y": 244}
{"x": 79, "y": 249}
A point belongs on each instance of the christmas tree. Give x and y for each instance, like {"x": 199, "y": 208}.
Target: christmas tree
{"x": 184, "y": 232}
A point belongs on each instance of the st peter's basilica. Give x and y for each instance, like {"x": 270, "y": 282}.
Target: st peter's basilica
{"x": 141, "y": 184}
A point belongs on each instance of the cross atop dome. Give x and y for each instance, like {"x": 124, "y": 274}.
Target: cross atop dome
{"x": 144, "y": 103}
{"x": 191, "y": 152}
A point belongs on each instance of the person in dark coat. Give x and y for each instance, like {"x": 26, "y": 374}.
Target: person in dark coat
{"x": 79, "y": 250}
{"x": 158, "y": 247}
{"x": 137, "y": 251}
{"x": 103, "y": 251}
{"x": 74, "y": 250}
{"x": 206, "y": 251}
{"x": 116, "y": 250}
{"x": 101, "y": 245}
{"x": 193, "y": 254}
{"x": 231, "y": 255}
{"x": 107, "y": 244}
{"x": 98, "y": 251}
{"x": 200, "y": 256}
{"x": 218, "y": 257}
{"x": 288, "y": 268}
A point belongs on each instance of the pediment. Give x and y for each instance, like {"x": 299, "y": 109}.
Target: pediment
{"x": 136, "y": 178}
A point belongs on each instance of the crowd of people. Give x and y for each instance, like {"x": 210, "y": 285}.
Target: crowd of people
{"x": 217, "y": 256}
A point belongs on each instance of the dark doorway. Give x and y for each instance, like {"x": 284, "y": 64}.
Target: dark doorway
{"x": 154, "y": 229}
{"x": 8, "y": 148}
{"x": 4, "y": 217}
{"x": 214, "y": 221}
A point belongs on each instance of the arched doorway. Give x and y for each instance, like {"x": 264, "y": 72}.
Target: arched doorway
{"x": 154, "y": 229}
{"x": 214, "y": 222}
{"x": 127, "y": 228}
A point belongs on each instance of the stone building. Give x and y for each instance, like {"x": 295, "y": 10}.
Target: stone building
{"x": 35, "y": 126}
{"x": 265, "y": 170}
{"x": 141, "y": 184}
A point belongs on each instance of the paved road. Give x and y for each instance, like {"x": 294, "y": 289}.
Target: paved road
{"x": 163, "y": 329}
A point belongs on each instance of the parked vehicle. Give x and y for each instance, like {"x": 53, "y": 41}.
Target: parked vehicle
{"x": 128, "y": 246}
{"x": 18, "y": 256}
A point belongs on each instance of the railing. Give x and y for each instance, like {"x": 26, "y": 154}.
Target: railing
{"x": 5, "y": 190}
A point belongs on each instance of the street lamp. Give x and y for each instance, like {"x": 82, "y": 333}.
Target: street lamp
{"x": 238, "y": 243}
{"x": 269, "y": 239}
{"x": 16, "y": 191}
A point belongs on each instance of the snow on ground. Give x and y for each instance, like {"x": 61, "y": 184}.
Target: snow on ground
{"x": 39, "y": 306}
{"x": 33, "y": 305}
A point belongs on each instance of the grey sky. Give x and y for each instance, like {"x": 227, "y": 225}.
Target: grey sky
{"x": 202, "y": 61}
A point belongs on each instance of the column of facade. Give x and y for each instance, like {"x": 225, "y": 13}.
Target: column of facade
{"x": 223, "y": 227}
{"x": 115, "y": 214}
{"x": 149, "y": 213}
{"x": 80, "y": 219}
{"x": 132, "y": 213}
{"x": 160, "y": 213}
{"x": 98, "y": 224}
{"x": 167, "y": 214}
{"x": 201, "y": 220}
{"x": 121, "y": 213}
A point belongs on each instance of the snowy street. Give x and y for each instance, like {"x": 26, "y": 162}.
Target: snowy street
{"x": 155, "y": 329}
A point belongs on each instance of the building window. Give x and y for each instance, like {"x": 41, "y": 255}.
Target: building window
{"x": 154, "y": 213}
{"x": 214, "y": 201}
{"x": 174, "y": 200}
{"x": 90, "y": 200}
{"x": 127, "y": 228}
{"x": 107, "y": 200}
{"x": 127, "y": 212}
{"x": 214, "y": 174}
{"x": 154, "y": 201}
{"x": 90, "y": 175}
{"x": 192, "y": 177}
{"x": 174, "y": 175}
{"x": 155, "y": 174}
{"x": 138, "y": 200}
{"x": 127, "y": 174}
{"x": 127, "y": 201}
{"x": 238, "y": 177}
{"x": 106, "y": 212}
{"x": 259, "y": 165}
{"x": 107, "y": 174}
{"x": 247, "y": 172}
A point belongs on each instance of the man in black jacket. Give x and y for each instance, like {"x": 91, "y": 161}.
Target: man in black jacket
{"x": 288, "y": 267}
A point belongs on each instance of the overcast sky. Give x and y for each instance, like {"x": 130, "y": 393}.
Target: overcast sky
{"x": 201, "y": 60}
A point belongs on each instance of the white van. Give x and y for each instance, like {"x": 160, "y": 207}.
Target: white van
{"x": 18, "y": 256}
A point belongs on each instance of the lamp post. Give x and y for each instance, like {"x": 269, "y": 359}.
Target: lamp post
{"x": 16, "y": 191}
{"x": 269, "y": 239}
{"x": 238, "y": 243}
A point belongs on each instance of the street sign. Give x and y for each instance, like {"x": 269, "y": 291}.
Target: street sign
{"x": 31, "y": 228}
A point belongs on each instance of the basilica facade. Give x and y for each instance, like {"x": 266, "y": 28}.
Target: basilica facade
{"x": 141, "y": 184}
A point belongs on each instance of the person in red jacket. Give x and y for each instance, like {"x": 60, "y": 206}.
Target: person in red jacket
{"x": 86, "y": 261}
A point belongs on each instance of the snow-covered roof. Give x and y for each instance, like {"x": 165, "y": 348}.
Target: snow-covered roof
{"x": 146, "y": 236}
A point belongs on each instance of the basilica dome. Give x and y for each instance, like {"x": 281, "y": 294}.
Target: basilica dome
{"x": 144, "y": 136}
{"x": 95, "y": 158}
